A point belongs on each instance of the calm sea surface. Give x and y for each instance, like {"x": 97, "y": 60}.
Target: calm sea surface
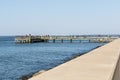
{"x": 17, "y": 60}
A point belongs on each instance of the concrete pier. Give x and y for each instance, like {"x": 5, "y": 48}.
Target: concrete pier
{"x": 100, "y": 64}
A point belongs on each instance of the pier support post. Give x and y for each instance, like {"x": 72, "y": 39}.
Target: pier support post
{"x": 29, "y": 38}
{"x": 89, "y": 41}
{"x": 61, "y": 40}
{"x": 80, "y": 41}
{"x": 46, "y": 40}
{"x": 70, "y": 40}
{"x": 53, "y": 40}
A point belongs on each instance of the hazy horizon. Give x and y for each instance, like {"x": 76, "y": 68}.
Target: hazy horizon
{"x": 64, "y": 17}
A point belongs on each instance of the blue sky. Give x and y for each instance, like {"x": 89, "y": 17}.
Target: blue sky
{"x": 59, "y": 17}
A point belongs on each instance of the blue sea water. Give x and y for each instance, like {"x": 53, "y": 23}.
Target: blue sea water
{"x": 17, "y": 60}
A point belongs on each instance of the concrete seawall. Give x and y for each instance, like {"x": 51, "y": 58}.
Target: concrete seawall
{"x": 100, "y": 64}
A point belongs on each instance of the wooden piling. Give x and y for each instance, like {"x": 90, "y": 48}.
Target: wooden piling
{"x": 70, "y": 40}
{"x": 61, "y": 40}
{"x": 53, "y": 40}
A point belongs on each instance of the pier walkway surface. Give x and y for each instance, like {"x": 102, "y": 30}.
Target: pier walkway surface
{"x": 99, "y": 64}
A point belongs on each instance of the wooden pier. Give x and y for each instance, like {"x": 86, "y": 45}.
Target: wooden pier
{"x": 62, "y": 39}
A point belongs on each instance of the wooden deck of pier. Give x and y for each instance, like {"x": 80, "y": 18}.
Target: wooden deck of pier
{"x": 54, "y": 38}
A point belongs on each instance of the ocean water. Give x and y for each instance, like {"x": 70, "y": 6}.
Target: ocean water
{"x": 17, "y": 60}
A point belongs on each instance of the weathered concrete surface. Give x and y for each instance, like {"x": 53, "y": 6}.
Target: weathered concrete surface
{"x": 99, "y": 64}
{"x": 116, "y": 75}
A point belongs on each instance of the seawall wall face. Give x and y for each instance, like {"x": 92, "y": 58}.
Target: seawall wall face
{"x": 100, "y": 64}
{"x": 116, "y": 75}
